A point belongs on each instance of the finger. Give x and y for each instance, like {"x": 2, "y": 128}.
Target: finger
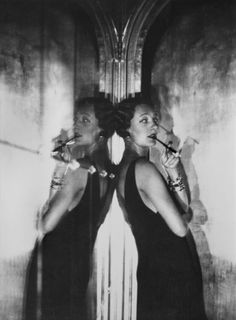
{"x": 169, "y": 155}
{"x": 164, "y": 159}
{"x": 171, "y": 162}
{"x": 67, "y": 154}
{"x": 166, "y": 153}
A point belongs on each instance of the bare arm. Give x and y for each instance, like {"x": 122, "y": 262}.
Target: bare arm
{"x": 57, "y": 178}
{"x": 177, "y": 177}
{"x": 150, "y": 182}
{"x": 74, "y": 182}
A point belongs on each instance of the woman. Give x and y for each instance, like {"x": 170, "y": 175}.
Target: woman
{"x": 71, "y": 220}
{"x": 168, "y": 272}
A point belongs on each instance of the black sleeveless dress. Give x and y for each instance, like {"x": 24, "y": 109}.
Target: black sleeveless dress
{"x": 168, "y": 273}
{"x": 66, "y": 254}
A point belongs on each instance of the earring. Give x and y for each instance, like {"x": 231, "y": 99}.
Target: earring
{"x": 127, "y": 137}
{"x": 101, "y": 137}
{"x": 102, "y": 134}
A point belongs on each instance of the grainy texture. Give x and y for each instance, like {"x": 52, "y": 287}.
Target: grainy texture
{"x": 194, "y": 78}
{"x": 43, "y": 59}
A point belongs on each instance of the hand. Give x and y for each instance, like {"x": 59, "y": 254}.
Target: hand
{"x": 62, "y": 153}
{"x": 168, "y": 159}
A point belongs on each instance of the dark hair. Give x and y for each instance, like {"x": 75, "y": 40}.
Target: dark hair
{"x": 104, "y": 112}
{"x": 125, "y": 113}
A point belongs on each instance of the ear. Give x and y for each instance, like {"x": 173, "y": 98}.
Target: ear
{"x": 128, "y": 131}
{"x": 127, "y": 134}
{"x": 102, "y": 134}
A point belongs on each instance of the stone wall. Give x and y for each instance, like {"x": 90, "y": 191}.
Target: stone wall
{"x": 43, "y": 53}
{"x": 194, "y": 79}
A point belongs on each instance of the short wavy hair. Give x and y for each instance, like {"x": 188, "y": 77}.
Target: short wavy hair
{"x": 125, "y": 113}
{"x": 104, "y": 112}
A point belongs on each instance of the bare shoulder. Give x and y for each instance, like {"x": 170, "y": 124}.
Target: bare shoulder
{"x": 146, "y": 168}
{"x": 146, "y": 173}
{"x": 76, "y": 179}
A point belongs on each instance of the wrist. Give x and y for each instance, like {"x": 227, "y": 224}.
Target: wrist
{"x": 57, "y": 182}
{"x": 173, "y": 173}
{"x": 176, "y": 184}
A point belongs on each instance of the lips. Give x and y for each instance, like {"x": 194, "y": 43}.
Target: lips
{"x": 77, "y": 137}
{"x": 73, "y": 140}
{"x": 152, "y": 136}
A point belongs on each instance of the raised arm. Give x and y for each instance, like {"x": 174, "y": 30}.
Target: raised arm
{"x": 177, "y": 182}
{"x": 151, "y": 183}
{"x": 74, "y": 183}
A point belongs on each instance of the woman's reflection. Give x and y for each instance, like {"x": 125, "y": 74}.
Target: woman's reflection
{"x": 168, "y": 272}
{"x": 71, "y": 220}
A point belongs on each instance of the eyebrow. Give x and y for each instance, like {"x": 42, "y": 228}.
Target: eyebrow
{"x": 84, "y": 114}
{"x": 143, "y": 114}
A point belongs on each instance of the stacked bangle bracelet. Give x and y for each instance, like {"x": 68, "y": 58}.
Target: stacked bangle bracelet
{"x": 177, "y": 184}
{"x": 57, "y": 182}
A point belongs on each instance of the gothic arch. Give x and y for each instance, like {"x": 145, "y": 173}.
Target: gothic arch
{"x": 106, "y": 36}
{"x": 133, "y": 43}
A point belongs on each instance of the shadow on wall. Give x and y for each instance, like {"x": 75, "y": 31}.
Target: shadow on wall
{"x": 193, "y": 77}
{"x": 162, "y": 99}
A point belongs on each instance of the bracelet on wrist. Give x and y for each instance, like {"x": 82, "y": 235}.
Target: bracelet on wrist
{"x": 57, "y": 182}
{"x": 177, "y": 184}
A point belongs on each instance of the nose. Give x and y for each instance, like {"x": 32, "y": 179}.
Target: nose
{"x": 78, "y": 124}
{"x": 154, "y": 123}
{"x": 77, "y": 129}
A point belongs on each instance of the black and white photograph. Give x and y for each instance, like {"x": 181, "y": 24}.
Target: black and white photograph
{"x": 117, "y": 160}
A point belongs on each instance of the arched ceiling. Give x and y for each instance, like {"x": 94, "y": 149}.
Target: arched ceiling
{"x": 119, "y": 11}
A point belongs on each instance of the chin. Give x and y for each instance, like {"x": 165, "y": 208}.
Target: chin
{"x": 150, "y": 143}
{"x": 78, "y": 143}
{"x": 81, "y": 144}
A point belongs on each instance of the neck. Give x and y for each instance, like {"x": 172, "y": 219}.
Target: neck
{"x": 98, "y": 153}
{"x": 133, "y": 151}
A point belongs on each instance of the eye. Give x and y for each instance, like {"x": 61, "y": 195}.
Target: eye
{"x": 85, "y": 119}
{"x": 144, "y": 120}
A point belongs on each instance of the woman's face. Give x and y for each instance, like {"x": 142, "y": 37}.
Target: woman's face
{"x": 86, "y": 127}
{"x": 143, "y": 125}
